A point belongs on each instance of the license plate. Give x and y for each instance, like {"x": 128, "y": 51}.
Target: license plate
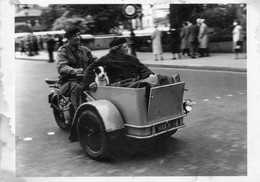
{"x": 167, "y": 125}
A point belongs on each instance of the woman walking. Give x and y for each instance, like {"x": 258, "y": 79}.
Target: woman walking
{"x": 237, "y": 38}
{"x": 157, "y": 43}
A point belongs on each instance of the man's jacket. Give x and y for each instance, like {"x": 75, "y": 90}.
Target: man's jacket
{"x": 70, "y": 58}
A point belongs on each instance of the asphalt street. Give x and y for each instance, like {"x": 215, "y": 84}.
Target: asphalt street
{"x": 213, "y": 143}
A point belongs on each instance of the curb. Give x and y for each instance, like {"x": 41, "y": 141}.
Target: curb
{"x": 209, "y": 68}
{"x": 32, "y": 59}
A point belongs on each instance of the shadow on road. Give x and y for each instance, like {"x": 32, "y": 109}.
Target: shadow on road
{"x": 136, "y": 150}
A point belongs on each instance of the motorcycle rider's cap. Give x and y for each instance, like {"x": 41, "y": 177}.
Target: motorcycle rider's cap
{"x": 71, "y": 31}
{"x": 117, "y": 41}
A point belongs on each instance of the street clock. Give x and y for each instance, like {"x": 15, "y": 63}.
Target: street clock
{"x": 130, "y": 10}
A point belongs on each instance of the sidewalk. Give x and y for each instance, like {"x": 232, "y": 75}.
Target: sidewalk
{"x": 216, "y": 61}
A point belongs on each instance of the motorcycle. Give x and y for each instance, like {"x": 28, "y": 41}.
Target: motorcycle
{"x": 112, "y": 113}
{"x": 62, "y": 107}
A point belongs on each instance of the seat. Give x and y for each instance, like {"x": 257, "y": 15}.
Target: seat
{"x": 51, "y": 81}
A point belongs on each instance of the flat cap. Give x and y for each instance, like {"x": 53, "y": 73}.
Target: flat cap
{"x": 71, "y": 31}
{"x": 117, "y": 41}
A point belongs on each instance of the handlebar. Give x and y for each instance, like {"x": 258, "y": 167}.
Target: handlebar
{"x": 52, "y": 81}
{"x": 80, "y": 75}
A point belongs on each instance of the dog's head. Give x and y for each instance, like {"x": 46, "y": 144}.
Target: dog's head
{"x": 100, "y": 73}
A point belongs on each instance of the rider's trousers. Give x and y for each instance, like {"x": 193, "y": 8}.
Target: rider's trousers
{"x": 74, "y": 91}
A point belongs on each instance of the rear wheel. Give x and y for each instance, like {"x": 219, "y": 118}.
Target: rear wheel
{"x": 59, "y": 116}
{"x": 92, "y": 135}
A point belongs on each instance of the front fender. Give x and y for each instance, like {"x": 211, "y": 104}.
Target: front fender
{"x": 107, "y": 111}
{"x": 53, "y": 100}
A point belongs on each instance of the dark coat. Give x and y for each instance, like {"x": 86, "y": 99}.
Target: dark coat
{"x": 51, "y": 43}
{"x": 184, "y": 38}
{"x": 175, "y": 41}
{"x": 193, "y": 33}
{"x": 118, "y": 67}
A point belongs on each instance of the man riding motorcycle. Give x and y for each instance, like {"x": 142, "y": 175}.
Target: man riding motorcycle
{"x": 73, "y": 59}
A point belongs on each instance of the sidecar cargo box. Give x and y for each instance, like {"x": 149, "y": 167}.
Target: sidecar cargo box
{"x": 164, "y": 102}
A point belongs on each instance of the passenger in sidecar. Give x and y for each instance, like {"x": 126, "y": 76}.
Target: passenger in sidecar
{"x": 122, "y": 66}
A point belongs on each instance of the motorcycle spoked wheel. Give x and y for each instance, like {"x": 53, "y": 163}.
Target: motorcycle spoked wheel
{"x": 92, "y": 135}
{"x": 59, "y": 116}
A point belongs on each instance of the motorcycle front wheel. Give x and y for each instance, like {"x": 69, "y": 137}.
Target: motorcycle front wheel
{"x": 60, "y": 120}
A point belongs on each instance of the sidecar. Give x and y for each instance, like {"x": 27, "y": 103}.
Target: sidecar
{"x": 138, "y": 113}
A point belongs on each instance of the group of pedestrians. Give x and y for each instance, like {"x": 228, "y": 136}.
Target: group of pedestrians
{"x": 31, "y": 44}
{"x": 190, "y": 39}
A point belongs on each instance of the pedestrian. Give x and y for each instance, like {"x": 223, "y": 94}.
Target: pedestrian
{"x": 203, "y": 39}
{"x": 22, "y": 47}
{"x": 30, "y": 44}
{"x": 60, "y": 41}
{"x": 175, "y": 43}
{"x": 184, "y": 39}
{"x": 237, "y": 38}
{"x": 35, "y": 45}
{"x": 50, "y": 42}
{"x": 193, "y": 33}
{"x": 73, "y": 59}
{"x": 157, "y": 43}
{"x": 41, "y": 42}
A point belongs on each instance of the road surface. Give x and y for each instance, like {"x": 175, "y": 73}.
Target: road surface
{"x": 213, "y": 143}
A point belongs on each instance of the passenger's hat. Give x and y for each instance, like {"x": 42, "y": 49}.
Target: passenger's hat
{"x": 117, "y": 41}
{"x": 71, "y": 31}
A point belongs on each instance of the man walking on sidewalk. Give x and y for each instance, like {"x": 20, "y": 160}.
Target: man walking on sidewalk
{"x": 50, "y": 47}
{"x": 193, "y": 33}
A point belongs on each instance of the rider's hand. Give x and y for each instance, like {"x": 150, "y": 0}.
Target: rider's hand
{"x": 93, "y": 86}
{"x": 79, "y": 71}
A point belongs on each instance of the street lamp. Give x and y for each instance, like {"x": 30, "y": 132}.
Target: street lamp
{"x": 130, "y": 11}
{"x": 26, "y": 10}
{"x": 28, "y": 23}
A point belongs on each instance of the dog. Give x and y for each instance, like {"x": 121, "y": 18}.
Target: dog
{"x": 101, "y": 76}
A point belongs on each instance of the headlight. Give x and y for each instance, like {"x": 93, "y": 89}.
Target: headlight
{"x": 187, "y": 105}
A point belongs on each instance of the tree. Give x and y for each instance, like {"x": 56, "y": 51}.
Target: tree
{"x": 93, "y": 18}
{"x": 105, "y": 16}
{"x": 184, "y": 12}
{"x": 51, "y": 14}
{"x": 217, "y": 16}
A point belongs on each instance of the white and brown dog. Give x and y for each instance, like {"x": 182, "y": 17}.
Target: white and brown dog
{"x": 101, "y": 76}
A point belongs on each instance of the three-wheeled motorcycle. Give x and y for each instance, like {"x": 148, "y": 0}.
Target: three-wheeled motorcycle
{"x": 111, "y": 111}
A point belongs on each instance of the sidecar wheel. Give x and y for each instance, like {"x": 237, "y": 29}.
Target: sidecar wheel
{"x": 59, "y": 118}
{"x": 92, "y": 135}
